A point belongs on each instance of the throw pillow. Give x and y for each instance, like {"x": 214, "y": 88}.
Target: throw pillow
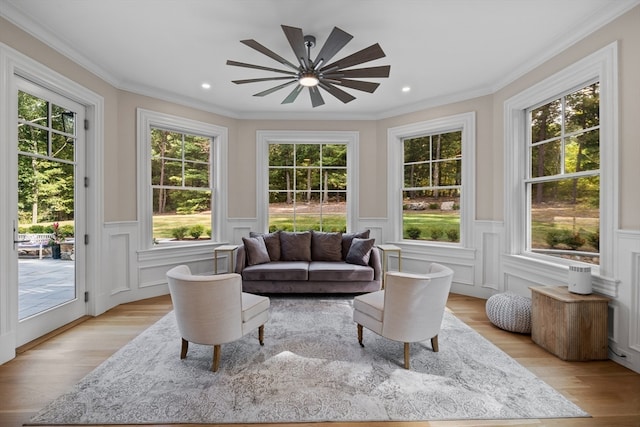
{"x": 348, "y": 237}
{"x": 295, "y": 246}
{"x": 272, "y": 241}
{"x": 256, "y": 250}
{"x": 326, "y": 246}
{"x": 360, "y": 251}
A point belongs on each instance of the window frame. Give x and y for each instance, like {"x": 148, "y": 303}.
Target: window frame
{"x": 264, "y": 138}
{"x": 600, "y": 66}
{"x": 147, "y": 119}
{"x": 465, "y": 122}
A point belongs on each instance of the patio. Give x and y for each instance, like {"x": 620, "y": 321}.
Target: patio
{"x": 44, "y": 284}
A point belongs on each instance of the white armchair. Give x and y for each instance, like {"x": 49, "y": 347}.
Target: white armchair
{"x": 213, "y": 310}
{"x": 409, "y": 309}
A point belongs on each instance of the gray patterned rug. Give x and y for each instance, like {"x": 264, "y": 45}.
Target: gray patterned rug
{"x": 311, "y": 368}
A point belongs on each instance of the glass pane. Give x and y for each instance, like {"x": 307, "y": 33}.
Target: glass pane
{"x": 280, "y": 220}
{"x": 582, "y": 152}
{"x": 335, "y": 179}
{"x": 281, "y": 197}
{"x": 280, "y": 154}
{"x": 197, "y": 148}
{"x": 546, "y": 159}
{"x": 546, "y": 121}
{"x": 308, "y": 154}
{"x": 447, "y": 173}
{"x": 33, "y": 140}
{"x": 62, "y": 147}
{"x": 582, "y": 110}
{"x": 280, "y": 179}
{"x": 33, "y": 109}
{"x": 417, "y": 149}
{"x": 447, "y": 146}
{"x": 167, "y": 172}
{"x": 308, "y": 179}
{"x": 196, "y": 174}
{"x": 417, "y": 175}
{"x": 431, "y": 216}
{"x": 565, "y": 217}
{"x": 334, "y": 155}
{"x": 334, "y": 212}
{"x": 177, "y": 212}
{"x": 62, "y": 119}
{"x": 166, "y": 144}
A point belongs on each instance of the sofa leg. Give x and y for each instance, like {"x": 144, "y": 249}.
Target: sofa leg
{"x": 360, "y": 335}
{"x": 434, "y": 344}
{"x": 184, "y": 349}
{"x": 406, "y": 355}
{"x": 216, "y": 358}
{"x": 261, "y": 334}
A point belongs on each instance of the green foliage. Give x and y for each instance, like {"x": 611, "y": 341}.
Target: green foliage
{"x": 453, "y": 234}
{"x": 594, "y": 240}
{"x": 196, "y": 231}
{"x": 436, "y": 233}
{"x": 574, "y": 241}
{"x": 180, "y": 233}
{"x": 66, "y": 230}
{"x": 555, "y": 237}
{"x": 414, "y": 233}
{"x": 39, "y": 228}
{"x": 434, "y": 206}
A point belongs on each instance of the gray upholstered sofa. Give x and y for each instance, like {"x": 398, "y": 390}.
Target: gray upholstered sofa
{"x": 309, "y": 262}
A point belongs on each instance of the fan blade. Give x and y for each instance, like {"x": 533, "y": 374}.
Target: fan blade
{"x": 338, "y": 93}
{"x": 263, "y": 79}
{"x": 316, "y": 97}
{"x": 365, "y": 55}
{"x": 382, "y": 71}
{"x": 266, "y": 51}
{"x": 275, "y": 88}
{"x": 358, "y": 85}
{"x": 336, "y": 41}
{"x": 293, "y": 95}
{"x": 260, "y": 67}
{"x": 296, "y": 40}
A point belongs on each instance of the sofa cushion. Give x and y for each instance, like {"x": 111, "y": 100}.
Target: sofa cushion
{"x": 295, "y": 246}
{"x": 256, "y": 250}
{"x": 326, "y": 246}
{"x": 347, "y": 238}
{"x": 271, "y": 241}
{"x": 360, "y": 251}
{"x": 277, "y": 271}
{"x": 326, "y": 271}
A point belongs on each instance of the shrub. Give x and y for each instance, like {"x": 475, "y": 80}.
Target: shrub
{"x": 208, "y": 232}
{"x": 574, "y": 241}
{"x": 453, "y": 234}
{"x": 414, "y": 233}
{"x": 436, "y": 233}
{"x": 179, "y": 233}
{"x": 37, "y": 229}
{"x": 434, "y": 206}
{"x": 196, "y": 231}
{"x": 555, "y": 237}
{"x": 66, "y": 230}
{"x": 594, "y": 240}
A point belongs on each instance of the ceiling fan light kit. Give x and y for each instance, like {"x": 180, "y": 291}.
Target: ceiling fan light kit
{"x": 318, "y": 73}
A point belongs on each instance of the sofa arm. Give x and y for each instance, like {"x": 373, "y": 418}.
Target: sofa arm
{"x": 375, "y": 261}
{"x": 241, "y": 259}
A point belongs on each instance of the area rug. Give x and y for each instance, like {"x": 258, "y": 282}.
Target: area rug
{"x": 311, "y": 368}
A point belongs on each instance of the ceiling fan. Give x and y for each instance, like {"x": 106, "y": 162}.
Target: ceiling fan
{"x": 318, "y": 73}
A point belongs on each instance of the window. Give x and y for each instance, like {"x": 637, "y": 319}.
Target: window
{"x": 307, "y": 187}
{"x": 432, "y": 185}
{"x": 431, "y": 180}
{"x": 560, "y": 153}
{"x": 180, "y": 168}
{"x": 563, "y": 181}
{"x": 305, "y": 180}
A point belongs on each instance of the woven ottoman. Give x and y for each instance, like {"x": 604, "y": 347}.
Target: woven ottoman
{"x": 510, "y": 312}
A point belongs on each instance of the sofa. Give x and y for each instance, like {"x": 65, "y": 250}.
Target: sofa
{"x": 309, "y": 262}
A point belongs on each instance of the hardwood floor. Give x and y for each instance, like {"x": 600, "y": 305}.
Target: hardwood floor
{"x": 606, "y": 390}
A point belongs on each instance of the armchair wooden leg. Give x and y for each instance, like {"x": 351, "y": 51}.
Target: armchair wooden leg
{"x": 434, "y": 344}
{"x": 406, "y": 355}
{"x": 184, "y": 349}
{"x": 360, "y": 335}
{"x": 216, "y": 358}
{"x": 261, "y": 334}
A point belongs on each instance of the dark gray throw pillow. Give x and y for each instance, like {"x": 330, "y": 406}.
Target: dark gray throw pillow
{"x": 326, "y": 246}
{"x": 256, "y": 250}
{"x": 348, "y": 237}
{"x": 271, "y": 241}
{"x": 360, "y": 251}
{"x": 295, "y": 246}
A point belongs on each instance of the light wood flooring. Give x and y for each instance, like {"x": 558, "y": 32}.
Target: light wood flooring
{"x": 46, "y": 369}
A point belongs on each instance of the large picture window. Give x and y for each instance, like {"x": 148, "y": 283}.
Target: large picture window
{"x": 563, "y": 177}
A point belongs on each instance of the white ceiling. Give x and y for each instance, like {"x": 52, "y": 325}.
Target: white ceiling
{"x": 445, "y": 50}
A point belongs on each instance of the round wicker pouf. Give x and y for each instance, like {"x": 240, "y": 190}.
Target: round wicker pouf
{"x": 510, "y": 312}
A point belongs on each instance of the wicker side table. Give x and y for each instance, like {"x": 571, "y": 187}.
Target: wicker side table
{"x": 571, "y": 326}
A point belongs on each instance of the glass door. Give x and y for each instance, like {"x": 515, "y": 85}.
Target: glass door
{"x": 49, "y": 226}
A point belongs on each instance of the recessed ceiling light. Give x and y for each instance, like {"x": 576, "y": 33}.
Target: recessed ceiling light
{"x": 406, "y": 89}
{"x": 206, "y": 86}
